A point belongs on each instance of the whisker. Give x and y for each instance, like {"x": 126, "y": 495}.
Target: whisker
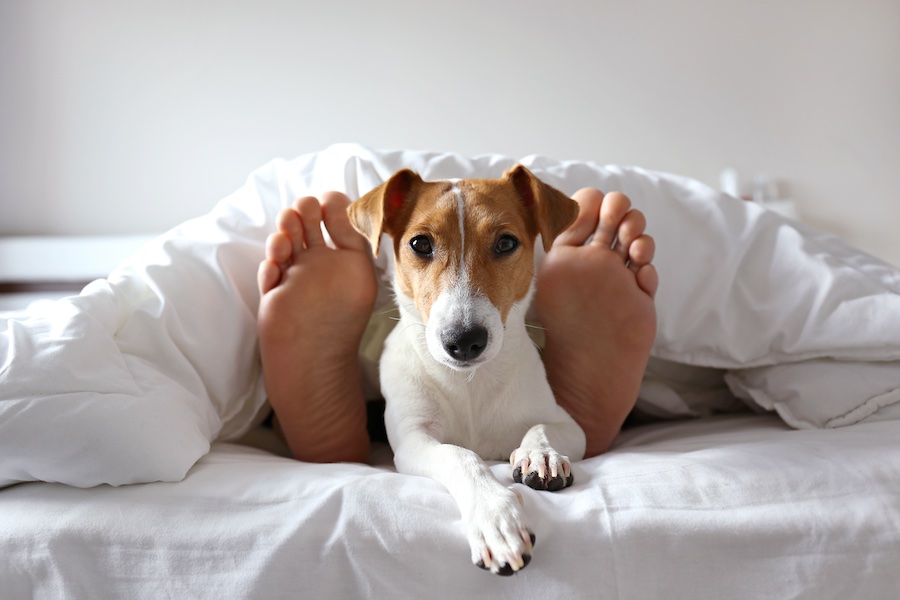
{"x": 413, "y": 325}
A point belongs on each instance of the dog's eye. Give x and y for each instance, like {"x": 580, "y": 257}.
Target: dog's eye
{"x": 506, "y": 244}
{"x": 421, "y": 245}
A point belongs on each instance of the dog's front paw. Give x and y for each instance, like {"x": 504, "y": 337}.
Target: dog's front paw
{"x": 499, "y": 540}
{"x": 541, "y": 469}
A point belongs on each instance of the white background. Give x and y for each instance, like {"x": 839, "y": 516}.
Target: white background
{"x": 129, "y": 117}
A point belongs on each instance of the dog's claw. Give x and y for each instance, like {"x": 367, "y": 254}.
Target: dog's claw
{"x": 505, "y": 570}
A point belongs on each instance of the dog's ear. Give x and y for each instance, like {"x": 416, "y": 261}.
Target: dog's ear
{"x": 385, "y": 209}
{"x": 552, "y": 210}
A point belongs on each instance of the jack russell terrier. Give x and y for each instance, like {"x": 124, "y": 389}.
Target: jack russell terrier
{"x": 462, "y": 381}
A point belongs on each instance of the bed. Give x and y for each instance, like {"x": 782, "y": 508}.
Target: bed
{"x": 734, "y": 506}
{"x": 762, "y": 462}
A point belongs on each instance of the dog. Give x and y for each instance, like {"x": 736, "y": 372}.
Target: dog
{"x": 461, "y": 379}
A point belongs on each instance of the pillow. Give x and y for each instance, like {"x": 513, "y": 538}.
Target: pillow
{"x": 821, "y": 393}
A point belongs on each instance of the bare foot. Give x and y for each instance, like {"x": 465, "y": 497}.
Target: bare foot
{"x": 596, "y": 302}
{"x": 315, "y": 304}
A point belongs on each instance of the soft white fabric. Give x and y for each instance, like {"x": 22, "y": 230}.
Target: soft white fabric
{"x": 791, "y": 390}
{"x": 133, "y": 379}
{"x": 727, "y": 507}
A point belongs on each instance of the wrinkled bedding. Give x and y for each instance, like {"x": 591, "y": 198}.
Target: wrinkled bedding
{"x": 150, "y": 377}
{"x": 724, "y": 507}
{"x": 132, "y": 380}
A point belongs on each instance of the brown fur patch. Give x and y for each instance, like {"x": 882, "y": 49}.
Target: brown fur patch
{"x": 422, "y": 279}
{"x": 518, "y": 204}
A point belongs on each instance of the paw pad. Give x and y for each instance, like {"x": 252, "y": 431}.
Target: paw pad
{"x": 535, "y": 482}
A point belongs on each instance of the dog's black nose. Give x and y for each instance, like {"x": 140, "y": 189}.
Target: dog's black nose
{"x": 465, "y": 344}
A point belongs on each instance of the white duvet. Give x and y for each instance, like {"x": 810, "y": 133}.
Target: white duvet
{"x": 134, "y": 379}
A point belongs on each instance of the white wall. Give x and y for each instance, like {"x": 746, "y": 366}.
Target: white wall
{"x": 121, "y": 117}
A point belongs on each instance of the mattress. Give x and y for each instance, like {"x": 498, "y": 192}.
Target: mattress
{"x": 736, "y": 506}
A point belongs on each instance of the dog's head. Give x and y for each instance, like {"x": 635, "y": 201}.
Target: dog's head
{"x": 464, "y": 252}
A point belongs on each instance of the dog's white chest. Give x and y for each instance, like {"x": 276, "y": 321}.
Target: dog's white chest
{"x": 487, "y": 410}
{"x": 483, "y": 419}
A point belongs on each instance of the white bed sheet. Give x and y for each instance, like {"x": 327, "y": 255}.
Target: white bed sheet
{"x": 724, "y": 507}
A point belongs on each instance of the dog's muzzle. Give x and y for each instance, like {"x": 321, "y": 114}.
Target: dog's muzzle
{"x": 463, "y": 330}
{"x": 464, "y": 344}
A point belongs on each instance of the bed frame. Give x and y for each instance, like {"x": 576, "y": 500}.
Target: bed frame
{"x": 49, "y": 267}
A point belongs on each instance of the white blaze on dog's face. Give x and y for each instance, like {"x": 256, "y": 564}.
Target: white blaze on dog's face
{"x": 466, "y": 258}
{"x": 464, "y": 252}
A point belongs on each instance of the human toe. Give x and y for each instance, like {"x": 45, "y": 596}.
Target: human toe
{"x": 279, "y": 249}
{"x": 631, "y": 227}
{"x": 613, "y": 210}
{"x": 310, "y": 211}
{"x": 279, "y": 252}
{"x": 268, "y": 276}
{"x": 578, "y": 233}
{"x": 290, "y": 228}
{"x": 337, "y": 222}
{"x": 641, "y": 251}
{"x": 648, "y": 279}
